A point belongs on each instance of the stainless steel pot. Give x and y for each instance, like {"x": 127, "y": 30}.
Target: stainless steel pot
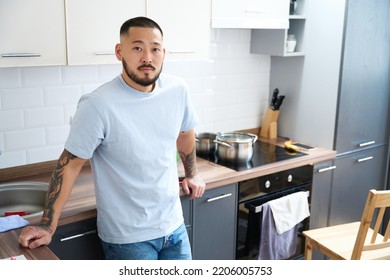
{"x": 235, "y": 146}
{"x": 205, "y": 143}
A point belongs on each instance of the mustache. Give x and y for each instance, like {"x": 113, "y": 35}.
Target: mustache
{"x": 147, "y": 66}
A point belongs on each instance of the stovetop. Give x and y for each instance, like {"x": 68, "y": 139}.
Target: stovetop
{"x": 263, "y": 153}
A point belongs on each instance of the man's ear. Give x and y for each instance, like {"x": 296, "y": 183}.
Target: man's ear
{"x": 118, "y": 51}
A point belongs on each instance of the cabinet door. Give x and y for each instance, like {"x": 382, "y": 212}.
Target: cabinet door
{"x": 320, "y": 198}
{"x": 214, "y": 224}
{"x": 354, "y": 176}
{"x": 365, "y": 85}
{"x": 186, "y": 27}
{"x": 77, "y": 241}
{"x": 93, "y": 28}
{"x": 32, "y": 33}
{"x": 187, "y": 215}
{"x": 250, "y": 14}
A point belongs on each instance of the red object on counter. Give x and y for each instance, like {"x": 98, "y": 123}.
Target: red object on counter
{"x": 20, "y": 213}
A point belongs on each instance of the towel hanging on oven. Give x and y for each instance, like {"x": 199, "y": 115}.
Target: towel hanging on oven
{"x": 289, "y": 210}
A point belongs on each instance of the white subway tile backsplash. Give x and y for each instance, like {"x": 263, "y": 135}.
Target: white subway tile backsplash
{"x": 44, "y": 153}
{"x": 10, "y": 77}
{"x": 57, "y": 135}
{"x": 22, "y": 139}
{"x": 41, "y": 76}
{"x": 80, "y": 74}
{"x": 58, "y": 95}
{"x": 13, "y": 158}
{"x": 11, "y": 120}
{"x": 44, "y": 116}
{"x": 229, "y": 91}
{"x": 22, "y": 98}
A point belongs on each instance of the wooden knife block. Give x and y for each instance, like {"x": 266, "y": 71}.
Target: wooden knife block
{"x": 269, "y": 127}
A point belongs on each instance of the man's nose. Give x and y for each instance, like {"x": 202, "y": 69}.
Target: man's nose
{"x": 147, "y": 58}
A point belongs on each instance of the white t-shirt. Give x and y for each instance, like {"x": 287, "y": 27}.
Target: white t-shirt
{"x": 130, "y": 138}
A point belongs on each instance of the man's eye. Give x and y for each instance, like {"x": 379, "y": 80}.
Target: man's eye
{"x": 156, "y": 49}
{"x": 138, "y": 49}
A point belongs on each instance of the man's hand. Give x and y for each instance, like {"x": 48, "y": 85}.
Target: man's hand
{"x": 35, "y": 236}
{"x": 194, "y": 187}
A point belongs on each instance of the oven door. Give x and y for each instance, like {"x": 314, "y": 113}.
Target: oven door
{"x": 249, "y": 225}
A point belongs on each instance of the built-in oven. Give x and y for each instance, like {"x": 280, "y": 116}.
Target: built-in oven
{"x": 256, "y": 192}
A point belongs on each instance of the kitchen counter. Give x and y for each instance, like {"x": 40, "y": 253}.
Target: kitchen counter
{"x": 81, "y": 203}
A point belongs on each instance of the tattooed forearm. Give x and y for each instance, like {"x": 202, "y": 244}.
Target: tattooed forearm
{"x": 189, "y": 163}
{"x": 55, "y": 188}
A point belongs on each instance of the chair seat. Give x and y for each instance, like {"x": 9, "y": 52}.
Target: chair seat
{"x": 338, "y": 242}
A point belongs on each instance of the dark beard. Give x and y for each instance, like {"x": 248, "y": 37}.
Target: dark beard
{"x": 140, "y": 81}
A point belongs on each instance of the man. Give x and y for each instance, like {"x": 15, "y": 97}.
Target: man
{"x": 130, "y": 129}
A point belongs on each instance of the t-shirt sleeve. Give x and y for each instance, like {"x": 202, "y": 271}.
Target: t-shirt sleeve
{"x": 190, "y": 118}
{"x": 87, "y": 130}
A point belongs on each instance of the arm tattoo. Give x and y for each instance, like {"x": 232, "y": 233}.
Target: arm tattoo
{"x": 55, "y": 188}
{"x": 189, "y": 163}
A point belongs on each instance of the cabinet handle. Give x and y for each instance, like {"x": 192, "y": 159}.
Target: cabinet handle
{"x": 182, "y": 51}
{"x": 255, "y": 12}
{"x": 21, "y": 55}
{"x": 78, "y": 235}
{"x": 326, "y": 169}
{"x": 365, "y": 159}
{"x": 104, "y": 53}
{"x": 218, "y": 197}
{"x": 366, "y": 143}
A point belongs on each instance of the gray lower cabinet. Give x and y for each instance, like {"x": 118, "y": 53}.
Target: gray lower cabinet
{"x": 320, "y": 197}
{"x": 355, "y": 175}
{"x": 77, "y": 241}
{"x": 186, "y": 205}
{"x": 214, "y": 224}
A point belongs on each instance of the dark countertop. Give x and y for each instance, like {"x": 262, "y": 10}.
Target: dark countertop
{"x": 81, "y": 203}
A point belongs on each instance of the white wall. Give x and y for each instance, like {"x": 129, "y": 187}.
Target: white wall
{"x": 229, "y": 91}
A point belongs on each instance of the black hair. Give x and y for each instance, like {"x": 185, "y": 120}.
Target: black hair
{"x": 139, "y": 22}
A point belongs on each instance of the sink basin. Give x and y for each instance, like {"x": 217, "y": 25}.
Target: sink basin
{"x": 26, "y": 198}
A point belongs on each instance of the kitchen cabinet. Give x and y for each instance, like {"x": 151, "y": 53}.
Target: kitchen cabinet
{"x": 320, "y": 197}
{"x": 186, "y": 205}
{"x": 268, "y": 14}
{"x": 274, "y": 42}
{"x": 32, "y": 33}
{"x": 186, "y": 27}
{"x": 354, "y": 176}
{"x": 77, "y": 241}
{"x": 214, "y": 224}
{"x": 92, "y": 35}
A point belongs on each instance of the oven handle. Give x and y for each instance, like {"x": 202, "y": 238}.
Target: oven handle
{"x": 218, "y": 197}
{"x": 259, "y": 208}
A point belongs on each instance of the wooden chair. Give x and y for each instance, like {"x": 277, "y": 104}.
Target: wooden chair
{"x": 355, "y": 241}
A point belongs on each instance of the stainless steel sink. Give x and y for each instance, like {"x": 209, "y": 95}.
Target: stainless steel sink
{"x": 27, "y": 197}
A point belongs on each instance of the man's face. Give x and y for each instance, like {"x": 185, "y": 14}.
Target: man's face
{"x": 142, "y": 55}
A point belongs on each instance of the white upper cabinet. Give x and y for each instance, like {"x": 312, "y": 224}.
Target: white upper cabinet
{"x": 186, "y": 26}
{"x": 92, "y": 28}
{"x": 32, "y": 33}
{"x": 253, "y": 14}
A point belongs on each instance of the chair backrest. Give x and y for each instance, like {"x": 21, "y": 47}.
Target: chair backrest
{"x": 373, "y": 213}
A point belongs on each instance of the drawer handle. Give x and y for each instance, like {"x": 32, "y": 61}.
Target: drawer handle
{"x": 365, "y": 159}
{"x": 104, "y": 53}
{"x": 326, "y": 169}
{"x": 255, "y": 12}
{"x": 21, "y": 55}
{"x": 78, "y": 235}
{"x": 218, "y": 197}
{"x": 366, "y": 143}
{"x": 182, "y": 51}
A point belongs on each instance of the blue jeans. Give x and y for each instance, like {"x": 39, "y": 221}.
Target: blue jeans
{"x": 174, "y": 246}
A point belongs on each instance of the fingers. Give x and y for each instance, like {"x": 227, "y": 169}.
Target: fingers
{"x": 194, "y": 187}
{"x": 34, "y": 236}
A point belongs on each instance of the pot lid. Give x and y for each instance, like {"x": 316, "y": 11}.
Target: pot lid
{"x": 236, "y": 137}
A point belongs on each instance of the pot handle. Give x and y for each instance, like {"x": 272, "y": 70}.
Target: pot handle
{"x": 223, "y": 143}
{"x": 255, "y": 137}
